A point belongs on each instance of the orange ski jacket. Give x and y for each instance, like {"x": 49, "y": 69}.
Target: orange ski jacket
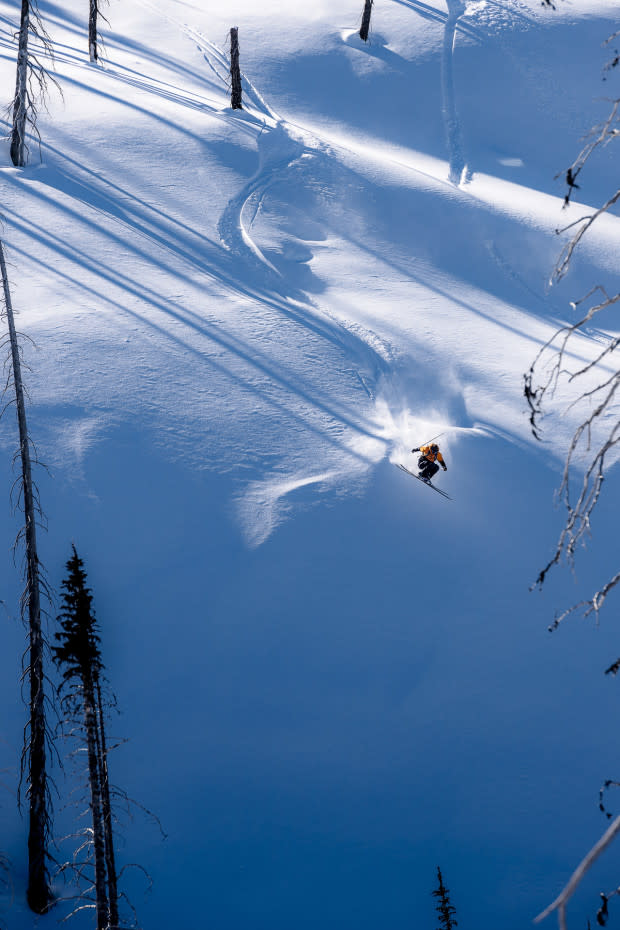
{"x": 432, "y": 456}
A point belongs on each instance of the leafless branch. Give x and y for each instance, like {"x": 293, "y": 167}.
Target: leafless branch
{"x": 32, "y": 80}
{"x": 586, "y": 863}
{"x": 594, "y": 442}
{"x": 601, "y": 403}
{"x": 599, "y": 135}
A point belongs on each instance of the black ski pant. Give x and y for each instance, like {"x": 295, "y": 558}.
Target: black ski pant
{"x": 427, "y": 469}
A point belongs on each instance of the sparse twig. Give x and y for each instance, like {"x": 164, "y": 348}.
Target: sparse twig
{"x": 586, "y": 442}
{"x": 592, "y": 445}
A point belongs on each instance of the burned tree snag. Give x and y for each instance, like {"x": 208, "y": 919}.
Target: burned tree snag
{"x": 32, "y": 80}
{"x": 20, "y": 101}
{"x": 93, "y": 52}
{"x": 235, "y": 73}
{"x": 39, "y": 895}
{"x": 96, "y": 801}
{"x": 106, "y": 810}
{"x": 365, "y": 27}
{"x": 94, "y": 37}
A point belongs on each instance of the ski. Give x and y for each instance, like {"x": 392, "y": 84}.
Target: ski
{"x": 429, "y": 483}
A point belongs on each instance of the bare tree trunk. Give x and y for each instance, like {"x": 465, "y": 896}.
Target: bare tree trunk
{"x": 365, "y": 27}
{"x": 110, "y": 858}
{"x": 20, "y": 103}
{"x": 94, "y": 779}
{"x": 235, "y": 73}
{"x": 92, "y": 30}
{"x": 39, "y": 896}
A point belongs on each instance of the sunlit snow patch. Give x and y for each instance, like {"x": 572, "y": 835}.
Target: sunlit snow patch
{"x": 403, "y": 430}
{"x": 476, "y": 7}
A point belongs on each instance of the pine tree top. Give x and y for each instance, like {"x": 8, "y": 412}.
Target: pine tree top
{"x": 78, "y": 654}
{"x": 443, "y": 907}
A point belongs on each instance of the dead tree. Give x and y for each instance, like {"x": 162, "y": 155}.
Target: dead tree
{"x": 443, "y": 907}
{"x": 34, "y": 754}
{"x": 93, "y": 52}
{"x": 235, "y": 72}
{"x": 598, "y": 434}
{"x": 20, "y": 102}
{"x": 584, "y": 866}
{"x": 106, "y": 811}
{"x": 365, "y": 27}
{"x": 31, "y": 82}
{"x": 595, "y": 385}
{"x": 94, "y": 14}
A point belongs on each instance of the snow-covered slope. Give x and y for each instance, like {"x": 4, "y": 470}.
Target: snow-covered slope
{"x": 332, "y": 679}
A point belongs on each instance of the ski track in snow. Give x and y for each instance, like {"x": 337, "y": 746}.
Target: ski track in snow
{"x": 280, "y": 147}
{"x": 285, "y": 306}
{"x": 283, "y": 148}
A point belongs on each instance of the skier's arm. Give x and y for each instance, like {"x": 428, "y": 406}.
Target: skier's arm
{"x": 441, "y": 461}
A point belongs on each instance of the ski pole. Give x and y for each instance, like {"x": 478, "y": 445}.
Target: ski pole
{"x": 428, "y": 441}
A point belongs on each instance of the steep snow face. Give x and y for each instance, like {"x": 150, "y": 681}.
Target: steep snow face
{"x": 240, "y": 322}
{"x": 192, "y": 235}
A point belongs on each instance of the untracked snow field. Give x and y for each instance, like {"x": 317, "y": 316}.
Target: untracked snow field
{"x": 331, "y": 680}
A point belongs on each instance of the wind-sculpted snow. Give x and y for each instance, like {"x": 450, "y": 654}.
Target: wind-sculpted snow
{"x": 330, "y": 242}
{"x": 247, "y": 247}
{"x": 241, "y": 320}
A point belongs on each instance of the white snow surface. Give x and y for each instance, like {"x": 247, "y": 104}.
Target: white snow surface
{"x": 235, "y": 322}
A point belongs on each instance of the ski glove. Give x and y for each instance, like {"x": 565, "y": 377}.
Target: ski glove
{"x": 445, "y": 467}
{"x": 417, "y": 449}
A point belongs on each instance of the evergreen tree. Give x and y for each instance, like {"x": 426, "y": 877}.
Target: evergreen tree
{"x": 79, "y": 656}
{"x": 443, "y": 907}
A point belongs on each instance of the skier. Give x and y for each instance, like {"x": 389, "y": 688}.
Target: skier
{"x": 427, "y": 463}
